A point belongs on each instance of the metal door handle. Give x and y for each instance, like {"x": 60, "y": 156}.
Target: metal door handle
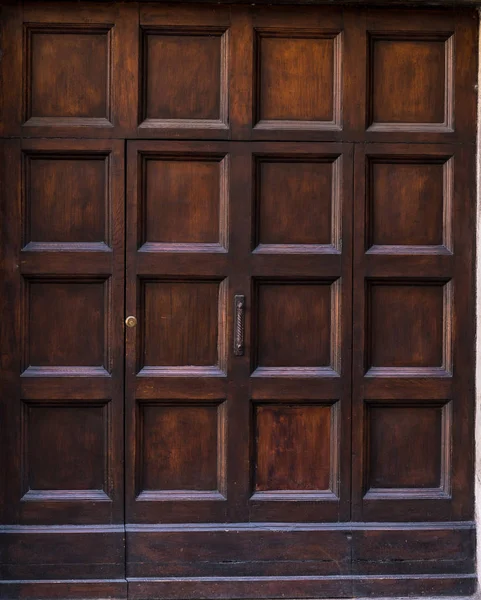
{"x": 239, "y": 324}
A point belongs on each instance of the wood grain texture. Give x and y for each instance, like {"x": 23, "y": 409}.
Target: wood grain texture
{"x": 319, "y": 162}
{"x": 65, "y": 450}
{"x": 406, "y": 325}
{"x": 297, "y": 203}
{"x": 69, "y": 73}
{"x": 410, "y": 204}
{"x": 294, "y": 448}
{"x": 184, "y": 200}
{"x": 296, "y": 78}
{"x": 411, "y": 80}
{"x": 181, "y": 323}
{"x": 294, "y": 324}
{"x": 65, "y": 324}
{"x": 68, "y": 347}
{"x": 59, "y": 208}
{"x": 194, "y": 90}
{"x": 404, "y": 449}
{"x": 406, "y": 341}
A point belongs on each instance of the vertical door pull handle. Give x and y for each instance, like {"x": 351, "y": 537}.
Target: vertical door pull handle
{"x": 239, "y": 324}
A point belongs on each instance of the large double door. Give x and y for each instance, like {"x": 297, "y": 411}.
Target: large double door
{"x": 237, "y": 335}
{"x": 238, "y": 370}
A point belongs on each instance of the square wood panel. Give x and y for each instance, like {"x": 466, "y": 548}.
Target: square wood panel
{"x": 183, "y": 326}
{"x": 181, "y": 450}
{"x": 410, "y": 82}
{"x": 409, "y": 327}
{"x": 408, "y": 450}
{"x": 68, "y": 72}
{"x": 295, "y": 449}
{"x": 184, "y": 74}
{"x": 65, "y": 450}
{"x": 410, "y": 203}
{"x": 297, "y": 204}
{"x": 297, "y": 326}
{"x": 66, "y": 198}
{"x": 66, "y": 325}
{"x": 298, "y": 78}
{"x": 185, "y": 201}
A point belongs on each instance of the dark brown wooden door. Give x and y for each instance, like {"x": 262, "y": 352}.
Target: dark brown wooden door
{"x": 262, "y": 436}
{"x": 237, "y": 298}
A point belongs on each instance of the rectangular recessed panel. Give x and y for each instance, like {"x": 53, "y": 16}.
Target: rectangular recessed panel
{"x": 182, "y": 323}
{"x": 64, "y": 447}
{"x": 408, "y": 447}
{"x": 184, "y": 200}
{"x": 410, "y": 80}
{"x": 297, "y": 202}
{"x": 296, "y": 324}
{"x": 409, "y": 325}
{"x": 408, "y": 204}
{"x": 183, "y": 75}
{"x": 296, "y": 77}
{"x": 293, "y": 447}
{"x": 68, "y": 72}
{"x": 66, "y": 323}
{"x": 181, "y": 447}
{"x": 66, "y": 198}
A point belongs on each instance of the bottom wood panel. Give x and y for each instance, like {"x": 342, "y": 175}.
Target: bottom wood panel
{"x": 75, "y": 589}
{"x": 302, "y": 587}
{"x": 238, "y": 560}
{"x": 61, "y": 552}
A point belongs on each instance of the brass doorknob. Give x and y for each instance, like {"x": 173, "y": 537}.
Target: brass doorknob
{"x": 131, "y": 321}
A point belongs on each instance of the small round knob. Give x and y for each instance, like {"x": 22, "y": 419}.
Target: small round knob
{"x": 131, "y": 321}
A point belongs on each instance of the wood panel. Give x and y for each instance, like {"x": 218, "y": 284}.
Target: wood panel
{"x": 408, "y": 313}
{"x": 64, "y": 376}
{"x": 185, "y": 72}
{"x": 74, "y": 71}
{"x": 297, "y": 325}
{"x": 58, "y": 208}
{"x": 296, "y": 449}
{"x": 177, "y": 355}
{"x": 313, "y": 220}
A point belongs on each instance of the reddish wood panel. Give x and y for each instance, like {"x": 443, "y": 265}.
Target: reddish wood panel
{"x": 69, "y": 72}
{"x": 411, "y": 79}
{"x": 294, "y": 448}
{"x": 66, "y": 324}
{"x": 165, "y": 464}
{"x": 411, "y": 204}
{"x": 296, "y": 324}
{"x": 183, "y": 75}
{"x": 296, "y": 77}
{"x": 59, "y": 208}
{"x": 181, "y": 323}
{"x": 408, "y": 325}
{"x": 297, "y": 203}
{"x": 184, "y": 201}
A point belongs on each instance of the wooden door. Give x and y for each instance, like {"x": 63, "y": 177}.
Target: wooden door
{"x": 63, "y": 282}
{"x": 237, "y": 292}
{"x": 220, "y": 435}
